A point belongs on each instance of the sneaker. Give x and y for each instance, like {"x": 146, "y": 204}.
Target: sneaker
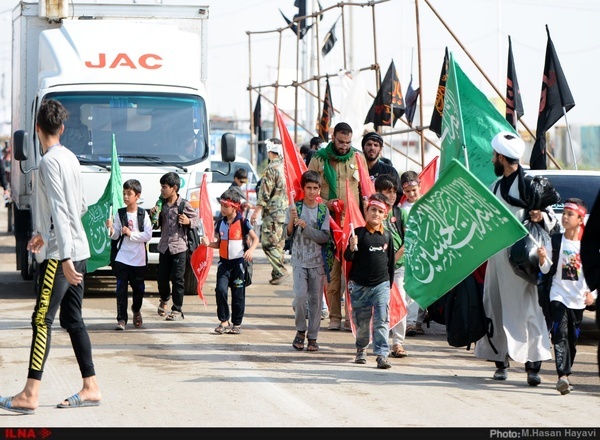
{"x": 137, "y": 319}
{"x": 501, "y": 374}
{"x": 533, "y": 379}
{"x": 563, "y": 386}
{"x": 324, "y": 314}
{"x": 280, "y": 279}
{"x": 383, "y": 363}
{"x": 347, "y": 325}
{"x": 120, "y": 325}
{"x": 334, "y": 324}
{"x": 361, "y": 356}
{"x": 174, "y": 316}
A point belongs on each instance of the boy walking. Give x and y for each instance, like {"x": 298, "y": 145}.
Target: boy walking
{"x": 231, "y": 232}
{"x": 307, "y": 222}
{"x": 569, "y": 293}
{"x": 172, "y": 246}
{"x": 372, "y": 247}
{"x": 131, "y": 261}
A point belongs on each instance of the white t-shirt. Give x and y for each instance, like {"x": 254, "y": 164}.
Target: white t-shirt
{"x": 568, "y": 283}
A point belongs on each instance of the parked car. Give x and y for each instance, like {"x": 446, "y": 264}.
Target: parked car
{"x": 221, "y": 180}
{"x": 572, "y": 183}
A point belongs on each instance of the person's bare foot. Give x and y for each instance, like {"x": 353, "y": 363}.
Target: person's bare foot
{"x": 23, "y": 401}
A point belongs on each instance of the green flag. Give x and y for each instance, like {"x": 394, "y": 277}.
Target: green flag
{"x": 469, "y": 123}
{"x": 451, "y": 230}
{"x": 94, "y": 220}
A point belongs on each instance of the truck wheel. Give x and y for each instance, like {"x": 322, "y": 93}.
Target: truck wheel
{"x": 27, "y": 261}
{"x": 190, "y": 283}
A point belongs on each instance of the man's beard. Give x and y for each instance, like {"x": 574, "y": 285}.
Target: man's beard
{"x": 498, "y": 169}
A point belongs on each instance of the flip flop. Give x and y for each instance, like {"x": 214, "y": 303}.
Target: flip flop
{"x": 75, "y": 402}
{"x": 6, "y": 403}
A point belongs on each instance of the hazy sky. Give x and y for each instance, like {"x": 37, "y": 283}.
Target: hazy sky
{"x": 482, "y": 26}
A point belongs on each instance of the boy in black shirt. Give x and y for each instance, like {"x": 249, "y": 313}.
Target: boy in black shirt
{"x": 371, "y": 251}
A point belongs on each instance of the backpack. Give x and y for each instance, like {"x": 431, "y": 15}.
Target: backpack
{"x": 466, "y": 322}
{"x": 115, "y": 245}
{"x": 327, "y": 249}
{"x": 193, "y": 233}
{"x": 545, "y": 281}
{"x": 248, "y": 265}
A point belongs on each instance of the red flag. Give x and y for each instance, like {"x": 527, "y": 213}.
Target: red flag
{"x": 427, "y": 177}
{"x": 202, "y": 257}
{"x": 293, "y": 164}
{"x": 367, "y": 187}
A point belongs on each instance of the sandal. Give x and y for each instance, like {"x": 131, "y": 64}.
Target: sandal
{"x": 137, "y": 319}
{"x": 235, "y": 330}
{"x": 312, "y": 345}
{"x": 298, "y": 342}
{"x": 398, "y": 351}
{"x": 162, "y": 308}
{"x": 222, "y": 328}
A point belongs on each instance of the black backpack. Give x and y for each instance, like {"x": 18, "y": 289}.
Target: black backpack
{"x": 465, "y": 317}
{"x": 193, "y": 234}
{"x": 115, "y": 245}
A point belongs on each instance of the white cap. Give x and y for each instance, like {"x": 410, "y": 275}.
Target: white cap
{"x": 273, "y": 147}
{"x": 508, "y": 144}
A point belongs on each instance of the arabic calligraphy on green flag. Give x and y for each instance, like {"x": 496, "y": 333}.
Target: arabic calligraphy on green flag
{"x": 94, "y": 220}
{"x": 469, "y": 122}
{"x": 451, "y": 230}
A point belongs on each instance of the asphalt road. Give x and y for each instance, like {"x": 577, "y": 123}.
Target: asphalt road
{"x": 182, "y": 374}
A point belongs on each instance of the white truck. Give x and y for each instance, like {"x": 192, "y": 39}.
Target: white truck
{"x": 135, "y": 71}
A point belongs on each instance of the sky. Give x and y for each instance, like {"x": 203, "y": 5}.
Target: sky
{"x": 481, "y": 26}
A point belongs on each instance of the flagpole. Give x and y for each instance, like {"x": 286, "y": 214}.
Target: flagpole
{"x": 569, "y": 135}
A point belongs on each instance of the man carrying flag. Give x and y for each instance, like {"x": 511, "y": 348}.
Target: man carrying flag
{"x": 511, "y": 302}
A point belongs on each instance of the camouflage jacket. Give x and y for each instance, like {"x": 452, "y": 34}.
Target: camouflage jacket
{"x": 272, "y": 195}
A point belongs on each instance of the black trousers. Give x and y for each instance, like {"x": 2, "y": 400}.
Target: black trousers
{"x": 564, "y": 333}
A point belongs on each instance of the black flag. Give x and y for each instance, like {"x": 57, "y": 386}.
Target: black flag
{"x": 329, "y": 40}
{"x": 388, "y": 96}
{"x": 299, "y": 26}
{"x": 325, "y": 122}
{"x": 555, "y": 100}
{"x": 411, "y": 102}
{"x": 257, "y": 121}
{"x": 436, "y": 118}
{"x": 514, "y": 104}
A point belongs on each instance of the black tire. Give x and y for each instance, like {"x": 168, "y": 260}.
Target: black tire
{"x": 190, "y": 283}
{"x": 27, "y": 261}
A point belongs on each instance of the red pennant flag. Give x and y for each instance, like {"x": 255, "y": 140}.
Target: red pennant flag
{"x": 367, "y": 187}
{"x": 202, "y": 257}
{"x": 427, "y": 177}
{"x": 293, "y": 164}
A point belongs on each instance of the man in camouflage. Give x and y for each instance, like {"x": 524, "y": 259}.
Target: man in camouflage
{"x": 272, "y": 201}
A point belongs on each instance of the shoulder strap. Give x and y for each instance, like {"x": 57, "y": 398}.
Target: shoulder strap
{"x": 141, "y": 216}
{"x": 181, "y": 206}
{"x": 399, "y": 222}
{"x": 122, "y": 213}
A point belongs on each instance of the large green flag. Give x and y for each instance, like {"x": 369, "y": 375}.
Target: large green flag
{"x": 469, "y": 122}
{"x": 451, "y": 230}
{"x": 94, "y": 220}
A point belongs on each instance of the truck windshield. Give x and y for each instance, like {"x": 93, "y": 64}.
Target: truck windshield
{"x": 170, "y": 128}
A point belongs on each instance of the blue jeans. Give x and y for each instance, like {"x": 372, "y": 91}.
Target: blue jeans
{"x": 371, "y": 302}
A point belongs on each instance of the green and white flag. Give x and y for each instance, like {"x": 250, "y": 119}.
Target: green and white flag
{"x": 94, "y": 220}
{"x": 469, "y": 122}
{"x": 451, "y": 230}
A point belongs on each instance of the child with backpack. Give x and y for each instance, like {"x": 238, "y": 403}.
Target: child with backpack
{"x": 231, "y": 232}
{"x": 173, "y": 245}
{"x": 566, "y": 286}
{"x": 130, "y": 231}
{"x": 307, "y": 223}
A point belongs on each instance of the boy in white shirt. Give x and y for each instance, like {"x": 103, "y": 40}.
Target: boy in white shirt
{"x": 569, "y": 293}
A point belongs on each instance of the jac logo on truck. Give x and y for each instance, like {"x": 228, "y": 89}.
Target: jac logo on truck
{"x": 146, "y": 61}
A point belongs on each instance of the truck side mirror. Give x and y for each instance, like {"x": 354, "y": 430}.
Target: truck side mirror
{"x": 19, "y": 145}
{"x": 228, "y": 147}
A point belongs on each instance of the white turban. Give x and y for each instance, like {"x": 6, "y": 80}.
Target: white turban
{"x": 273, "y": 147}
{"x": 508, "y": 144}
